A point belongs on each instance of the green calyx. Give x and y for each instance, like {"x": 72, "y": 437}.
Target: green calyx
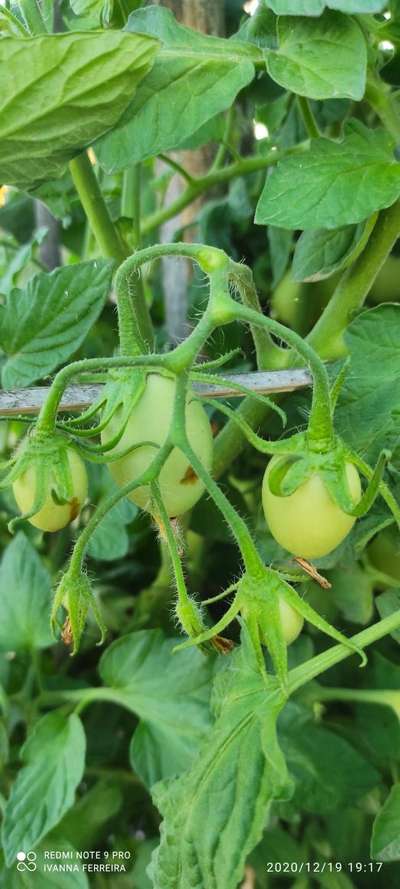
{"x": 295, "y": 467}
{"x": 44, "y": 460}
{"x": 75, "y": 595}
{"x": 258, "y": 600}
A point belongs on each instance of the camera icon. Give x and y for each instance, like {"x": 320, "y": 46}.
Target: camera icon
{"x": 26, "y": 861}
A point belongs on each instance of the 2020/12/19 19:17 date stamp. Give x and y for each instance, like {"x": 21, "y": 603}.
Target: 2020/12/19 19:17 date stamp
{"x": 320, "y": 867}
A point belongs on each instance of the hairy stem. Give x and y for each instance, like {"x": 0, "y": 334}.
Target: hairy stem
{"x": 96, "y": 210}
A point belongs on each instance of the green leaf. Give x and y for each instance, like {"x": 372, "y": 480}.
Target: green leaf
{"x": 334, "y": 183}
{"x": 25, "y": 598}
{"x": 316, "y": 7}
{"x": 17, "y": 216}
{"x": 323, "y": 58}
{"x": 367, "y": 414}
{"x": 110, "y": 540}
{"x": 329, "y": 773}
{"x": 319, "y": 253}
{"x": 4, "y": 744}
{"x": 142, "y": 861}
{"x": 61, "y": 92}
{"x": 43, "y": 325}
{"x": 385, "y": 841}
{"x": 152, "y": 682}
{"x": 276, "y": 846}
{"x": 280, "y": 242}
{"x": 86, "y": 822}
{"x": 215, "y": 813}
{"x": 53, "y": 757}
{"x": 59, "y": 195}
{"x": 91, "y": 8}
{"x": 352, "y": 592}
{"x": 377, "y": 730}
{"x": 194, "y": 77}
{"x": 19, "y": 261}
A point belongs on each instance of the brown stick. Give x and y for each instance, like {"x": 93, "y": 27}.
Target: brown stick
{"x": 19, "y": 402}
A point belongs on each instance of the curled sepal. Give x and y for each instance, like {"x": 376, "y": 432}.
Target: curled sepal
{"x": 293, "y": 445}
{"x": 374, "y": 486}
{"x": 383, "y": 488}
{"x": 288, "y": 473}
{"x": 74, "y": 593}
{"x": 122, "y": 393}
{"x": 339, "y": 382}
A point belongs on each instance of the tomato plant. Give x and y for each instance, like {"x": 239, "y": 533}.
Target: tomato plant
{"x": 199, "y": 328}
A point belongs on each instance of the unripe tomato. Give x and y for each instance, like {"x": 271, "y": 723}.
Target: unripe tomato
{"x": 150, "y": 421}
{"x": 384, "y": 552}
{"x": 52, "y": 516}
{"x": 308, "y": 523}
{"x": 292, "y": 621}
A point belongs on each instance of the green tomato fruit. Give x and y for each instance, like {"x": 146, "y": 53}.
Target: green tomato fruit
{"x": 52, "y": 516}
{"x": 150, "y": 421}
{"x": 308, "y": 523}
{"x": 384, "y": 553}
{"x": 292, "y": 621}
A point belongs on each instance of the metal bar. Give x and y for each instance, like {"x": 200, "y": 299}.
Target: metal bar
{"x": 18, "y": 402}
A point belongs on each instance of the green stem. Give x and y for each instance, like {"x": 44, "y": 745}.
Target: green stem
{"x": 176, "y": 563}
{"x": 383, "y": 696}
{"x": 130, "y": 199}
{"x": 134, "y": 320}
{"x": 322, "y": 662}
{"x": 93, "y": 203}
{"x": 136, "y": 334}
{"x": 240, "y": 532}
{"x": 327, "y": 337}
{"x": 269, "y": 355}
{"x": 224, "y": 146}
{"x": 216, "y": 177}
{"x": 176, "y": 167}
{"x": 308, "y": 117}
